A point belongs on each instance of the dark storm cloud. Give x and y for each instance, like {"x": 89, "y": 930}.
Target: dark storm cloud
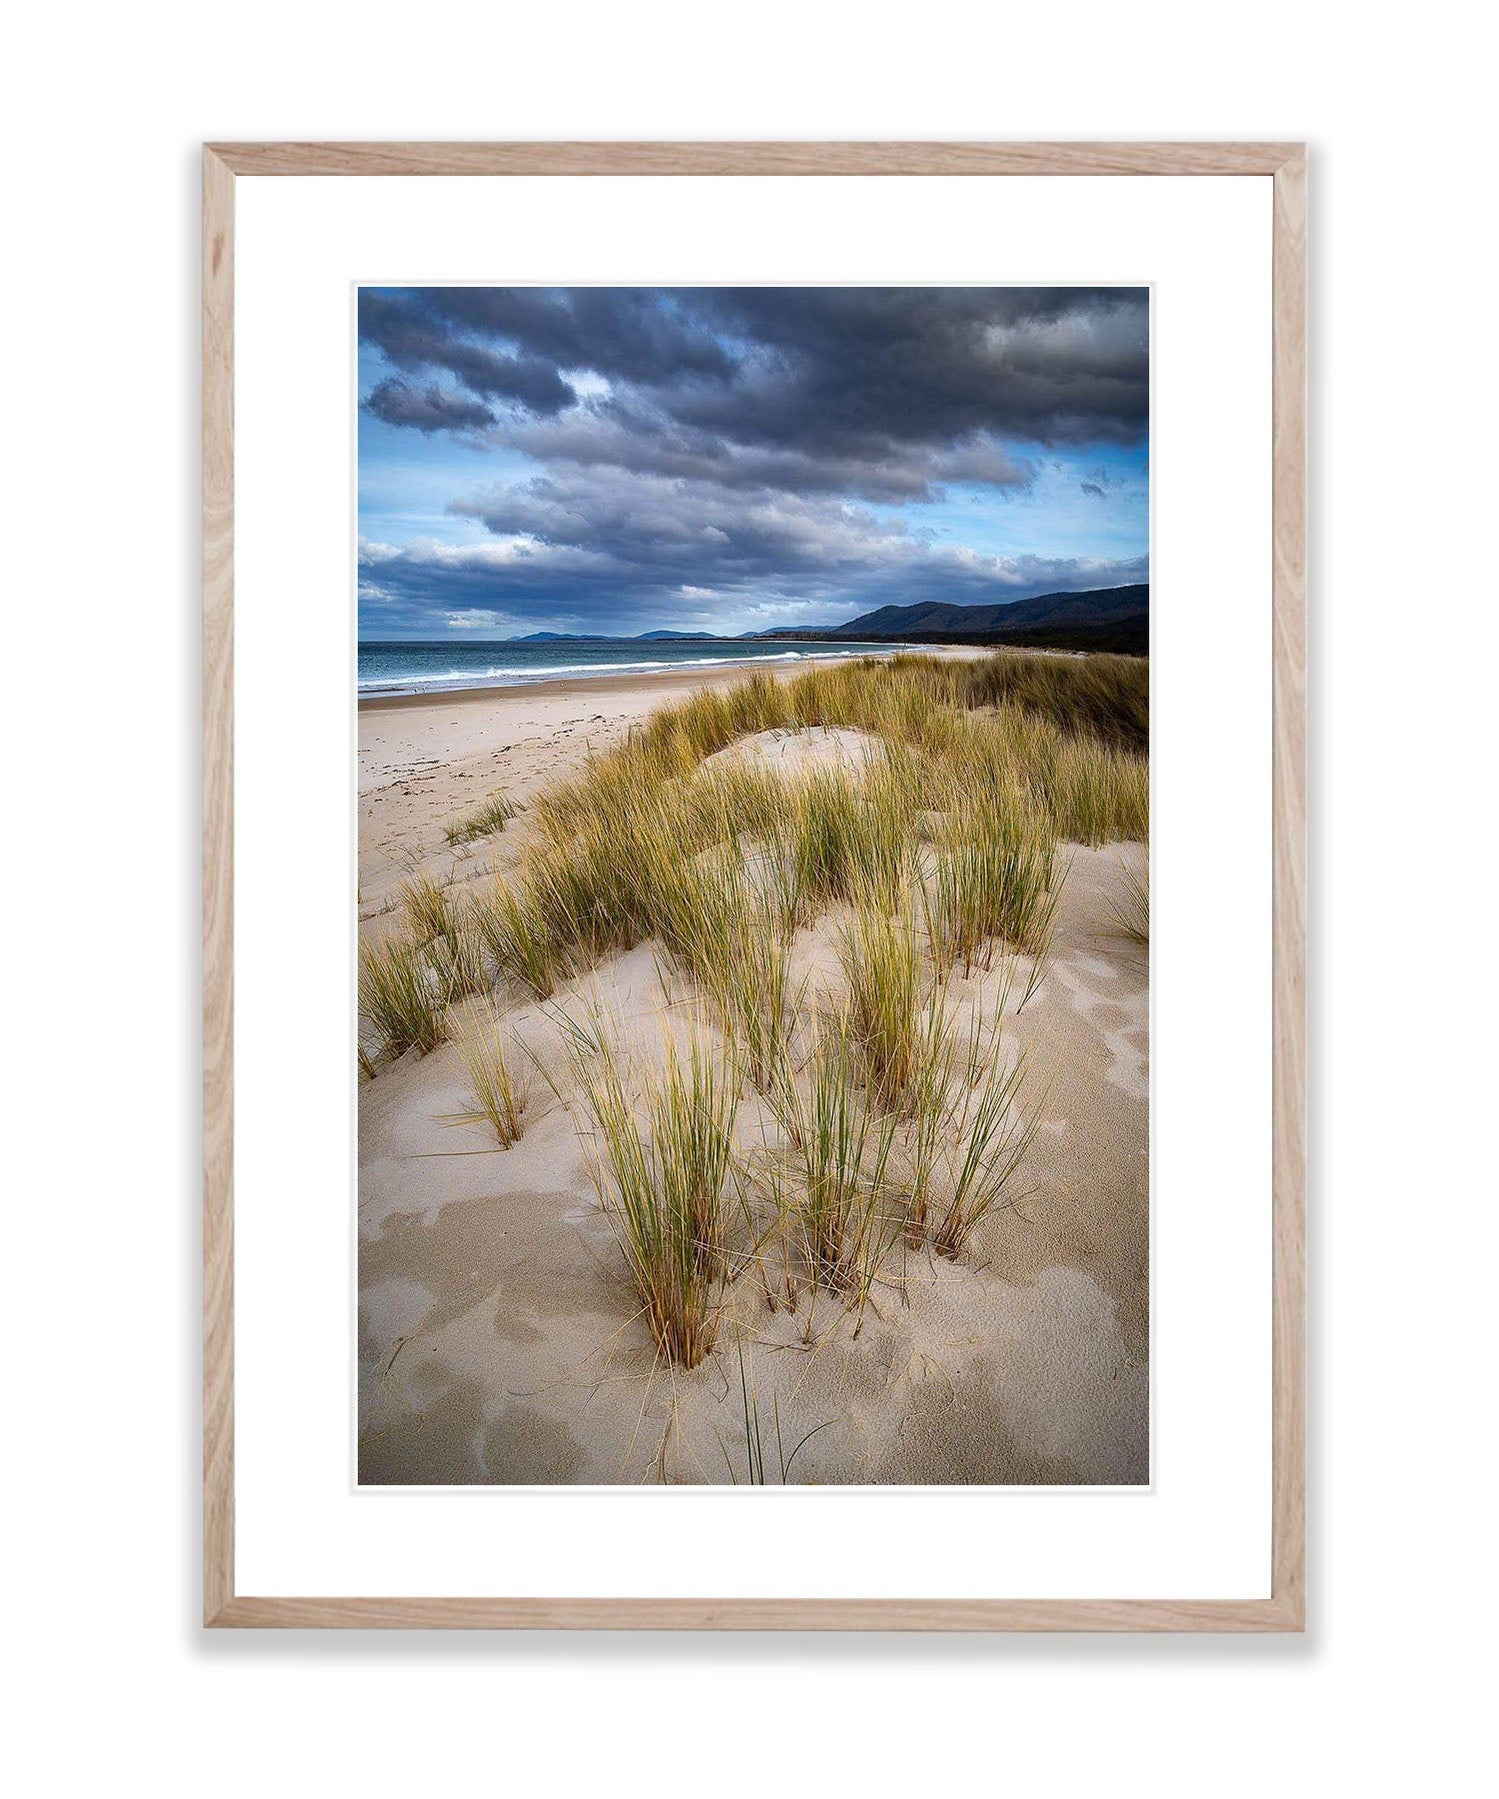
{"x": 845, "y": 368}
{"x": 847, "y": 378}
{"x": 403, "y": 332}
{"x": 1092, "y": 487}
{"x": 637, "y": 334}
{"x": 430, "y": 408}
{"x": 646, "y": 443}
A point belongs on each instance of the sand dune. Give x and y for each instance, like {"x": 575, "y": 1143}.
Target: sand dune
{"x": 498, "y": 1338}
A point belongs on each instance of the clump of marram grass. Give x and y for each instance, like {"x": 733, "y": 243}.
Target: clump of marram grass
{"x": 610, "y": 782}
{"x": 758, "y": 704}
{"x": 949, "y": 1069}
{"x": 823, "y": 829}
{"x": 408, "y": 981}
{"x": 691, "y": 904}
{"x": 425, "y": 903}
{"x": 581, "y": 890}
{"x": 930, "y": 1100}
{"x": 993, "y": 883}
{"x": 661, "y": 1179}
{"x": 728, "y": 803}
{"x": 514, "y": 928}
{"x": 882, "y": 976}
{"x": 614, "y": 866}
{"x": 1106, "y": 697}
{"x": 838, "y": 1151}
{"x": 732, "y": 937}
{"x": 994, "y": 1129}
{"x": 457, "y": 953}
{"x": 499, "y": 1091}
{"x": 1097, "y": 794}
{"x": 402, "y": 996}
{"x": 851, "y": 838}
{"x": 1131, "y": 905}
{"x": 754, "y": 998}
{"x": 487, "y": 820}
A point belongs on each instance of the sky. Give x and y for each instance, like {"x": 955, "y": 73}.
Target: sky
{"x": 621, "y": 460}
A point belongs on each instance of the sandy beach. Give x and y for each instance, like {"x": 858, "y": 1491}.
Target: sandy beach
{"x": 499, "y": 1339}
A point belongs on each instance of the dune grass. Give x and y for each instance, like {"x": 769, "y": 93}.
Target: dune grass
{"x": 511, "y": 921}
{"x": 978, "y": 760}
{"x": 851, "y": 838}
{"x": 457, "y": 955}
{"x": 408, "y": 981}
{"x": 882, "y": 974}
{"x": 424, "y": 902}
{"x": 994, "y": 1128}
{"x": 726, "y": 925}
{"x": 934, "y": 1081}
{"x": 754, "y": 1441}
{"x": 993, "y": 882}
{"x": 754, "y": 997}
{"x": 839, "y": 1151}
{"x": 1096, "y": 794}
{"x": 662, "y": 1169}
{"x": 1072, "y": 729}
{"x": 402, "y": 996}
{"x": 499, "y": 1090}
{"x": 1131, "y": 905}
{"x": 1103, "y": 697}
{"x": 487, "y": 820}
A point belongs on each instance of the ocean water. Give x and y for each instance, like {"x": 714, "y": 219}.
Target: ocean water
{"x": 393, "y": 668}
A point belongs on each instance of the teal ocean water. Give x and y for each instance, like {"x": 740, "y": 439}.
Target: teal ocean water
{"x": 392, "y": 668}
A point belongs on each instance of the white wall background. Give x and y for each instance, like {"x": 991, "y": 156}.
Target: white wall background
{"x": 104, "y": 109}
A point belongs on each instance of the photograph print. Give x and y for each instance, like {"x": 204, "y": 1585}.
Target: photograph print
{"x": 753, "y": 895}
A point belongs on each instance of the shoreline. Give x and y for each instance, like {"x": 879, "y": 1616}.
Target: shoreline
{"x": 665, "y": 680}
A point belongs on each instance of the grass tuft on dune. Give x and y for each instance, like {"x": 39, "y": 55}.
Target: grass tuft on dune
{"x": 487, "y": 820}
{"x": 500, "y": 1090}
{"x": 661, "y": 1170}
{"x": 402, "y": 997}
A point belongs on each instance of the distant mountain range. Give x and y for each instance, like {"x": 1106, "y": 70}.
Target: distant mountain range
{"x": 1098, "y": 606}
{"x": 1100, "y": 617}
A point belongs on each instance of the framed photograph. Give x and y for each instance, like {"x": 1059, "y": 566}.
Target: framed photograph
{"x": 754, "y": 814}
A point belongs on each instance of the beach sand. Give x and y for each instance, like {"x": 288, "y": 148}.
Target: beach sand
{"x": 498, "y": 1337}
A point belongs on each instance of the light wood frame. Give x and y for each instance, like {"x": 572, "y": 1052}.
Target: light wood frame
{"x": 1284, "y": 1610}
